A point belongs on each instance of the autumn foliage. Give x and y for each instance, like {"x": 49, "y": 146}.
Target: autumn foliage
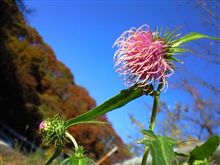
{"x": 35, "y": 85}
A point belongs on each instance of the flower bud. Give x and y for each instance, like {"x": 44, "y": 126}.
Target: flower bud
{"x": 53, "y": 130}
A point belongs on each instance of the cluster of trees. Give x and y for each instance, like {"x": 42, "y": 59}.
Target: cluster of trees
{"x": 201, "y": 82}
{"x": 35, "y": 85}
{"x": 199, "y": 118}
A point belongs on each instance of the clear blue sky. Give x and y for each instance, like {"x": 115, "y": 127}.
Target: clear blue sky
{"x": 82, "y": 33}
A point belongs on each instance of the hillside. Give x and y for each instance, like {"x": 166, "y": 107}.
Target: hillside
{"x": 35, "y": 85}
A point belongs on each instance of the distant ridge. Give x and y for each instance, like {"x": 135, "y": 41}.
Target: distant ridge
{"x": 35, "y": 85}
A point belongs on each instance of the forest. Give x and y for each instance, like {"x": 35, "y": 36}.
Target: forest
{"x": 35, "y": 86}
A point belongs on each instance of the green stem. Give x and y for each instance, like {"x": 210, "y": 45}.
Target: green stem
{"x": 155, "y": 106}
{"x": 55, "y": 154}
{"x": 144, "y": 159}
{"x": 152, "y": 120}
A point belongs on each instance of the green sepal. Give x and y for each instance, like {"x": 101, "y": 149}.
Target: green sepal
{"x": 54, "y": 131}
{"x": 78, "y": 161}
{"x": 174, "y": 50}
{"x": 176, "y": 59}
{"x": 170, "y": 36}
{"x": 78, "y": 158}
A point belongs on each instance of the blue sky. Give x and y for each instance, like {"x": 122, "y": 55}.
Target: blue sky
{"x": 82, "y": 33}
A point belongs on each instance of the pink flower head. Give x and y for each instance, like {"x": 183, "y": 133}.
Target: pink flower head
{"x": 42, "y": 125}
{"x": 140, "y": 57}
{"x": 53, "y": 130}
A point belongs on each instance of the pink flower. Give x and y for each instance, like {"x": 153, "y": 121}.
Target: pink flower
{"x": 140, "y": 57}
{"x": 42, "y": 125}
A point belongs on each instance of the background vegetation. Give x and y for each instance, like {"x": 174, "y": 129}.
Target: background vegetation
{"x": 35, "y": 86}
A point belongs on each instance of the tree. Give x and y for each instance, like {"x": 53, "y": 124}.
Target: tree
{"x": 202, "y": 86}
{"x": 199, "y": 118}
{"x": 34, "y": 85}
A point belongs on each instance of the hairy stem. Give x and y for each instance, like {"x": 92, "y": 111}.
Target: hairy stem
{"x": 73, "y": 140}
{"x": 152, "y": 120}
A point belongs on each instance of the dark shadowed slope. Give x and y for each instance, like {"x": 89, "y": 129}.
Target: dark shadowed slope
{"x": 35, "y": 85}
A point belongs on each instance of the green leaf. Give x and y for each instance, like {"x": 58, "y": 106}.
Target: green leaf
{"x": 162, "y": 151}
{"x": 149, "y": 133}
{"x": 181, "y": 154}
{"x": 149, "y": 136}
{"x": 202, "y": 162}
{"x": 91, "y": 122}
{"x": 176, "y": 59}
{"x": 192, "y": 36}
{"x": 205, "y": 150}
{"x": 161, "y": 148}
{"x": 115, "y": 102}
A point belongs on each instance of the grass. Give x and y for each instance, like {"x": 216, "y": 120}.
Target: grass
{"x": 9, "y": 156}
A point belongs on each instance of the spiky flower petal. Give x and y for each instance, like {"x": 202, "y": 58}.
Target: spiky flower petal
{"x": 143, "y": 57}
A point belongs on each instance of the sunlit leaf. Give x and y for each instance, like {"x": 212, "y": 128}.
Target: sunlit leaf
{"x": 149, "y": 133}
{"x": 192, "y": 36}
{"x": 115, "y": 102}
{"x": 162, "y": 151}
{"x": 161, "y": 148}
{"x": 205, "y": 150}
{"x": 91, "y": 122}
{"x": 202, "y": 162}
